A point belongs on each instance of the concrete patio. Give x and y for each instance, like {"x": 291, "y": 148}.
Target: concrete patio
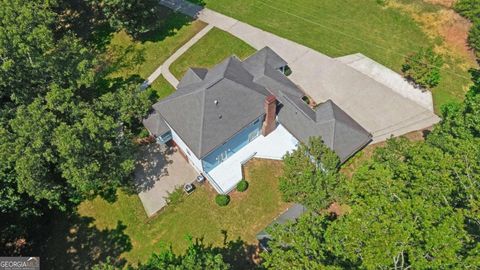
{"x": 158, "y": 172}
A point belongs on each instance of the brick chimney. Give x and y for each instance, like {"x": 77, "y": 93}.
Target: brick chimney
{"x": 270, "y": 106}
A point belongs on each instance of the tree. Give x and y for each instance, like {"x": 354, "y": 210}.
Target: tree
{"x": 474, "y": 37}
{"x": 311, "y": 175}
{"x": 415, "y": 205}
{"x": 301, "y": 245}
{"x": 470, "y": 9}
{"x": 197, "y": 256}
{"x": 423, "y": 67}
{"x": 137, "y": 17}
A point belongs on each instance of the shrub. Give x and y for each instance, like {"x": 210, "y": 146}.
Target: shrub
{"x": 423, "y": 68}
{"x": 242, "y": 186}
{"x": 176, "y": 196}
{"x": 143, "y": 133}
{"x": 222, "y": 200}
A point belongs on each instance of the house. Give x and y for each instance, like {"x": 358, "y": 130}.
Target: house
{"x": 221, "y": 117}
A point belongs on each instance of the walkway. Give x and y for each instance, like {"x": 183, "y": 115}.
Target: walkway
{"x": 164, "y": 69}
{"x": 372, "y": 103}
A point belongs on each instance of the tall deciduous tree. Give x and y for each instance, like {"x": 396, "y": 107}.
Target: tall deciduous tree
{"x": 415, "y": 205}
{"x": 136, "y": 17}
{"x": 311, "y": 175}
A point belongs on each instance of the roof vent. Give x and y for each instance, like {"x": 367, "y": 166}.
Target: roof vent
{"x": 216, "y": 101}
{"x": 219, "y": 116}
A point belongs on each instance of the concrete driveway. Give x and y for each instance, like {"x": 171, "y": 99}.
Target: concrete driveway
{"x": 159, "y": 171}
{"x": 374, "y": 96}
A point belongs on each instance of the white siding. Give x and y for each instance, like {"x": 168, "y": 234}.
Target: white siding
{"x": 194, "y": 161}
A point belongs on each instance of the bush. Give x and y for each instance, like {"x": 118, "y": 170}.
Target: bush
{"x": 222, "y": 200}
{"x": 143, "y": 133}
{"x": 423, "y": 68}
{"x": 242, "y": 186}
{"x": 176, "y": 196}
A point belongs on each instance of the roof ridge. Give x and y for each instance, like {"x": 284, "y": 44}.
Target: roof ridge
{"x": 202, "y": 121}
{"x": 287, "y": 97}
{"x": 183, "y": 95}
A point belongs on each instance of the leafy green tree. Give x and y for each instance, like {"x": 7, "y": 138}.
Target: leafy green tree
{"x": 415, "y": 205}
{"x": 197, "y": 256}
{"x": 311, "y": 176}
{"x": 301, "y": 245}
{"x": 423, "y": 67}
{"x": 468, "y": 8}
{"x": 32, "y": 57}
{"x": 135, "y": 16}
{"x": 474, "y": 37}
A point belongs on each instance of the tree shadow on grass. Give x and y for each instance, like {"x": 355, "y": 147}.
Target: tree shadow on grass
{"x": 86, "y": 22}
{"x": 72, "y": 242}
{"x": 198, "y": 2}
{"x": 169, "y": 24}
{"x": 238, "y": 253}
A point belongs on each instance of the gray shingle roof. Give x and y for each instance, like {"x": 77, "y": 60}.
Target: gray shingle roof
{"x": 264, "y": 57}
{"x": 292, "y": 213}
{"x": 193, "y": 75}
{"x": 211, "y": 106}
{"x": 338, "y": 130}
{"x": 155, "y": 124}
{"x": 208, "y": 113}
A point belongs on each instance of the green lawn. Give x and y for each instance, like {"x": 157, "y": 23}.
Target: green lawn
{"x": 214, "y": 47}
{"x": 339, "y": 28}
{"x": 197, "y": 215}
{"x": 127, "y": 57}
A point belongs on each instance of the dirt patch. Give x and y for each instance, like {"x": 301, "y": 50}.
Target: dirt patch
{"x": 338, "y": 209}
{"x": 444, "y": 3}
{"x": 444, "y": 23}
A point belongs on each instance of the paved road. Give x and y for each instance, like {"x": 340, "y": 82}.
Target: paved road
{"x": 379, "y": 109}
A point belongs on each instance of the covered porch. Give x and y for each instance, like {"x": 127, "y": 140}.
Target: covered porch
{"x": 275, "y": 145}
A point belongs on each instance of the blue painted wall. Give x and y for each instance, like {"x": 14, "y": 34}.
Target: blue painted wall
{"x": 231, "y": 146}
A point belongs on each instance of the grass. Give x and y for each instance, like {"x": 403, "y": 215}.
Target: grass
{"x": 196, "y": 215}
{"x": 126, "y": 57}
{"x": 214, "y": 47}
{"x": 338, "y": 28}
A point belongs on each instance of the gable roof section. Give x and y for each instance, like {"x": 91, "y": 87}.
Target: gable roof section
{"x": 155, "y": 124}
{"x": 193, "y": 75}
{"x": 263, "y": 58}
{"x": 338, "y": 130}
{"x": 208, "y": 113}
